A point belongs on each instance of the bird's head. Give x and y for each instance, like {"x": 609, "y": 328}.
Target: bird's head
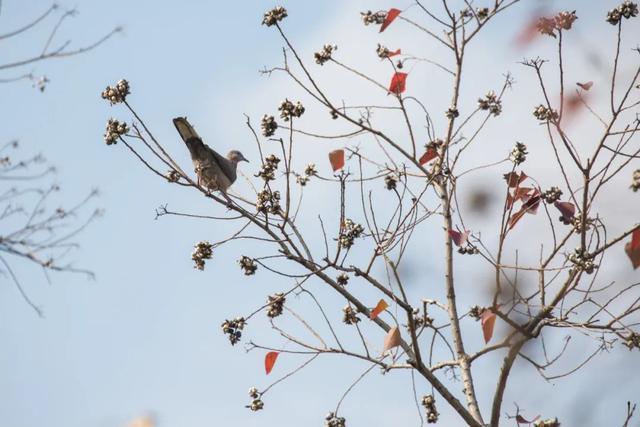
{"x": 236, "y": 157}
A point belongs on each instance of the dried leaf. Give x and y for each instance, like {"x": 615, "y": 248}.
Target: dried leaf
{"x": 394, "y": 53}
{"x": 380, "y": 307}
{"x": 392, "y": 14}
{"x": 586, "y": 85}
{"x": 568, "y": 210}
{"x": 458, "y": 237}
{"x": 488, "y": 321}
{"x": 516, "y": 217}
{"x": 632, "y": 248}
{"x": 513, "y": 179}
{"x": 270, "y": 360}
{"x": 398, "y": 83}
{"x": 429, "y": 155}
{"x": 531, "y": 202}
{"x": 392, "y": 339}
{"x": 521, "y": 420}
{"x": 336, "y": 158}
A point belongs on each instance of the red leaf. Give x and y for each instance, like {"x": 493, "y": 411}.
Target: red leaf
{"x": 488, "y": 321}
{"x": 398, "y": 83}
{"x": 394, "y": 53}
{"x": 635, "y": 239}
{"x": 380, "y": 307}
{"x": 530, "y": 202}
{"x": 429, "y": 155}
{"x": 392, "y": 14}
{"x": 516, "y": 217}
{"x": 568, "y": 210}
{"x": 585, "y": 86}
{"x": 392, "y": 339}
{"x": 632, "y": 248}
{"x": 459, "y": 238}
{"x": 513, "y": 179}
{"x": 270, "y": 360}
{"x": 336, "y": 158}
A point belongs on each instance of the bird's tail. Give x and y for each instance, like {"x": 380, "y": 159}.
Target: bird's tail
{"x": 185, "y": 129}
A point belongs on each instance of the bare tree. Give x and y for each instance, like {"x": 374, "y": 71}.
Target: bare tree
{"x": 379, "y": 208}
{"x": 33, "y": 231}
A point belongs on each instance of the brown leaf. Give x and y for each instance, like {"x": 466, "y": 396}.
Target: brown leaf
{"x": 392, "y": 14}
{"x": 270, "y": 360}
{"x": 586, "y": 85}
{"x": 521, "y": 420}
{"x": 513, "y": 179}
{"x": 392, "y": 339}
{"x": 394, "y": 53}
{"x": 488, "y": 321}
{"x": 336, "y": 158}
{"x": 516, "y": 217}
{"x": 398, "y": 83}
{"x": 380, "y": 307}
{"x": 429, "y": 155}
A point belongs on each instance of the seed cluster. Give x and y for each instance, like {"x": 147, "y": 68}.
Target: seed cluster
{"x": 118, "y": 93}
{"x": 269, "y": 167}
{"x": 288, "y": 110}
{"x": 551, "y": 422}
{"x": 248, "y": 265}
{"x": 332, "y": 420}
{"x": 582, "y": 260}
{"x": 173, "y": 175}
{"x": 429, "y": 403}
{"x": 476, "y": 312}
{"x": 309, "y": 171}
{"x": 274, "y": 16}
{"x": 420, "y": 320}
{"x": 452, "y": 113}
{"x": 201, "y": 251}
{"x": 350, "y": 232}
{"x": 635, "y": 183}
{"x": 324, "y": 54}
{"x": 491, "y": 103}
{"x": 382, "y": 51}
{"x": 552, "y": 195}
{"x": 390, "y": 182}
{"x": 518, "y": 154}
{"x": 276, "y": 304}
{"x": 376, "y": 18}
{"x": 561, "y": 21}
{"x": 256, "y": 404}
{"x": 482, "y": 13}
{"x": 268, "y": 125}
{"x": 633, "y": 341}
{"x": 233, "y": 328}
{"x": 350, "y": 315}
{"x": 268, "y": 202}
{"x": 626, "y": 10}
{"x": 114, "y": 130}
{"x": 545, "y": 114}
{"x": 342, "y": 279}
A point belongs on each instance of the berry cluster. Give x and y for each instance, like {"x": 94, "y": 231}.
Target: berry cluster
{"x": 233, "y": 328}
{"x": 268, "y": 125}
{"x": 247, "y": 265}
{"x": 274, "y": 16}
{"x": 114, "y": 130}
{"x": 118, "y": 93}
{"x": 201, "y": 251}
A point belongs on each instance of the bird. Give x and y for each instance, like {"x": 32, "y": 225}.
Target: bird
{"x": 214, "y": 171}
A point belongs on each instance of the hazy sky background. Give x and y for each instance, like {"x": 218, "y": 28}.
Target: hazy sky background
{"x": 144, "y": 337}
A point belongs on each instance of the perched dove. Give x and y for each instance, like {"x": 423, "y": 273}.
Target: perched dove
{"x": 214, "y": 171}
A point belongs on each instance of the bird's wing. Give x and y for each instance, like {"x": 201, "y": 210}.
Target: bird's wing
{"x": 190, "y": 136}
{"x": 186, "y": 131}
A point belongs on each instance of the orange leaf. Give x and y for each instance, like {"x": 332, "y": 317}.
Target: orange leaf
{"x": 392, "y": 339}
{"x": 336, "y": 158}
{"x": 488, "y": 320}
{"x": 585, "y": 86}
{"x": 392, "y": 14}
{"x": 429, "y": 155}
{"x": 398, "y": 83}
{"x": 382, "y": 306}
{"x": 270, "y": 360}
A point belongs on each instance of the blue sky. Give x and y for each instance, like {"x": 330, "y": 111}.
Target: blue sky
{"x": 144, "y": 336}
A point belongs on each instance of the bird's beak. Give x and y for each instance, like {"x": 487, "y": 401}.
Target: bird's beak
{"x": 243, "y": 159}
